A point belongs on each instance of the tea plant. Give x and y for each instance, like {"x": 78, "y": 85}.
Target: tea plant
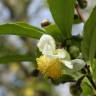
{"x": 60, "y": 56}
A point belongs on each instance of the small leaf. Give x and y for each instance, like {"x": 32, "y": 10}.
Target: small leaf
{"x": 21, "y": 30}
{"x": 63, "y": 14}
{"x": 16, "y": 58}
{"x": 53, "y": 30}
{"x": 89, "y": 41}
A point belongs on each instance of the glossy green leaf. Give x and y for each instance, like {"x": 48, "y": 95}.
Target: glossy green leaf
{"x": 89, "y": 41}
{"x": 21, "y": 30}
{"x": 26, "y": 25}
{"x": 15, "y": 58}
{"x": 26, "y": 30}
{"x": 63, "y": 14}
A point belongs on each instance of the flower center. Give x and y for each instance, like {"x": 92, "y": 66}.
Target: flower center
{"x": 50, "y": 67}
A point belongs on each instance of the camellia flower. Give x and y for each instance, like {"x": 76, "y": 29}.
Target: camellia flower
{"x": 52, "y": 59}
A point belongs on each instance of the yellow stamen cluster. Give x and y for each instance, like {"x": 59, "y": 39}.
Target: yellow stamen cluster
{"x": 50, "y": 67}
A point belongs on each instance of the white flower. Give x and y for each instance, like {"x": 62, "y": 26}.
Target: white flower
{"x": 47, "y": 46}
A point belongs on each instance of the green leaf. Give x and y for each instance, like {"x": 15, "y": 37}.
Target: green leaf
{"x": 89, "y": 41}
{"x": 26, "y": 25}
{"x": 93, "y": 66}
{"x": 26, "y": 30}
{"x": 63, "y": 79}
{"x": 21, "y": 30}
{"x": 87, "y": 89}
{"x": 16, "y": 58}
{"x": 53, "y": 30}
{"x": 63, "y": 14}
{"x": 66, "y": 78}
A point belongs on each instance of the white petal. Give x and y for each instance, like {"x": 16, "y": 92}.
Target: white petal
{"x": 78, "y": 64}
{"x": 46, "y": 40}
{"x": 47, "y": 50}
{"x": 63, "y": 54}
{"x": 67, "y": 64}
{"x": 52, "y": 56}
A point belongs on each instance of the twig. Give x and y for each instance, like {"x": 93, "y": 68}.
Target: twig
{"x": 77, "y": 7}
{"x": 89, "y": 76}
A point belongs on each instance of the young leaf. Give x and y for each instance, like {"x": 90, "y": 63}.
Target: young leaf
{"x": 63, "y": 14}
{"x": 53, "y": 30}
{"x": 21, "y": 30}
{"x": 89, "y": 41}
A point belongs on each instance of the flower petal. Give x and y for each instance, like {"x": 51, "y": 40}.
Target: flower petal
{"x": 78, "y": 64}
{"x": 46, "y": 41}
{"x": 47, "y": 50}
{"x": 67, "y": 64}
{"x": 62, "y": 54}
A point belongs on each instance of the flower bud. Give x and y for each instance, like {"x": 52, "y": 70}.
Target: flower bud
{"x": 45, "y": 23}
{"x": 74, "y": 51}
